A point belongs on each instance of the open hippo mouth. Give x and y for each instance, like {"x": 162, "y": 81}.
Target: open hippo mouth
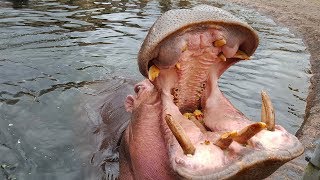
{"x": 184, "y": 54}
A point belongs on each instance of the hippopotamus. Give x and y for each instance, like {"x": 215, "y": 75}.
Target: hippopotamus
{"x": 182, "y": 126}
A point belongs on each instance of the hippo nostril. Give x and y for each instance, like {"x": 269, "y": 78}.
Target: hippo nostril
{"x": 137, "y": 88}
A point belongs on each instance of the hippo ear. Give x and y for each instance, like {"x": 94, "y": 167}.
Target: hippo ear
{"x": 129, "y": 103}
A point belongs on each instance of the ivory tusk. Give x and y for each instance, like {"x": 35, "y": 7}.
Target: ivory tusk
{"x": 248, "y": 132}
{"x": 153, "y": 73}
{"x": 267, "y": 111}
{"x": 180, "y": 135}
{"x": 226, "y": 139}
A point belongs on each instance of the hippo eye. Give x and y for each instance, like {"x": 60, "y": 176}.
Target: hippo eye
{"x": 137, "y": 88}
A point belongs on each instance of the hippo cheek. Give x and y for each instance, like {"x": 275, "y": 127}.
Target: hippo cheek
{"x": 206, "y": 137}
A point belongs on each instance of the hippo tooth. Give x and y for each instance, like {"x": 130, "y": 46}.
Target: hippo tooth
{"x": 248, "y": 132}
{"x": 206, "y": 142}
{"x": 222, "y": 57}
{"x": 241, "y": 55}
{"x": 220, "y": 42}
{"x": 184, "y": 47}
{"x": 180, "y": 135}
{"x": 178, "y": 66}
{"x": 153, "y": 72}
{"x": 198, "y": 114}
{"x": 267, "y": 111}
{"x": 226, "y": 139}
{"x": 187, "y": 115}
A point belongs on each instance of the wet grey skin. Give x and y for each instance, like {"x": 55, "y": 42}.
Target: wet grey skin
{"x": 254, "y": 162}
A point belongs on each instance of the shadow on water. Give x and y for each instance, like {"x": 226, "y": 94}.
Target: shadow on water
{"x": 55, "y": 53}
{"x": 16, "y": 4}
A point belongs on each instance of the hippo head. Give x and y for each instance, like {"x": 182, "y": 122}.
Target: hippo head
{"x": 182, "y": 125}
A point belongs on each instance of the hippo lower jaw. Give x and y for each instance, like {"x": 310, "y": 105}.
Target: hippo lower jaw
{"x": 206, "y": 137}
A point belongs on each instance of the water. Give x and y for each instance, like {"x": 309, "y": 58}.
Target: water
{"x": 53, "y": 51}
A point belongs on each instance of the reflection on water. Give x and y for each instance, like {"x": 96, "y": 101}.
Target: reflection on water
{"x": 51, "y": 49}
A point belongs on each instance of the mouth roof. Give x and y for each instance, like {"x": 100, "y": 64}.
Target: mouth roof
{"x": 180, "y": 20}
{"x": 194, "y": 60}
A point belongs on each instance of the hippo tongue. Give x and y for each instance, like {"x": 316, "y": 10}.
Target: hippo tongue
{"x": 206, "y": 136}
